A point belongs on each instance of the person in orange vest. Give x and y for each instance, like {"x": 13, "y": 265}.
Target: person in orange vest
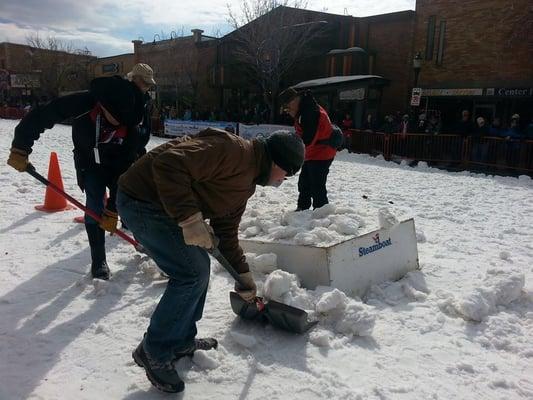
{"x": 110, "y": 129}
{"x": 313, "y": 125}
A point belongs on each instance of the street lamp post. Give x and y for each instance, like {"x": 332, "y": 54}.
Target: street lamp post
{"x": 417, "y": 66}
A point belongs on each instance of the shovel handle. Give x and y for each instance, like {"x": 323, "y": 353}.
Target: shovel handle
{"x": 215, "y": 252}
{"x": 31, "y": 170}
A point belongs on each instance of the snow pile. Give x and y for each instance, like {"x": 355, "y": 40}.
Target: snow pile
{"x": 347, "y": 316}
{"x": 330, "y": 306}
{"x": 412, "y": 287}
{"x": 504, "y": 332}
{"x": 321, "y": 227}
{"x": 264, "y": 263}
{"x": 499, "y": 288}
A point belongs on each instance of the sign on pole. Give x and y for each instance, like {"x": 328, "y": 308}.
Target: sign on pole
{"x": 416, "y": 94}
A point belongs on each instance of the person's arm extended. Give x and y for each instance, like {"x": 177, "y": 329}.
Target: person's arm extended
{"x": 45, "y": 117}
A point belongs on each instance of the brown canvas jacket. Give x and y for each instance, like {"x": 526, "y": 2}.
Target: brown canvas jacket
{"x": 214, "y": 172}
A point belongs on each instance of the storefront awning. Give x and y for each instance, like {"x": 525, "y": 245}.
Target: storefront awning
{"x": 342, "y": 80}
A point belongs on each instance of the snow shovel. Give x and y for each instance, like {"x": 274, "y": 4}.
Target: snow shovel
{"x": 280, "y": 315}
{"x": 31, "y": 170}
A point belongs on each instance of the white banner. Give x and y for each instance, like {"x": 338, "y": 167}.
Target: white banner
{"x": 174, "y": 127}
{"x": 264, "y": 130}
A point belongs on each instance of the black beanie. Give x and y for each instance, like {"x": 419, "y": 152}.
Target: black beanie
{"x": 288, "y": 94}
{"x": 287, "y": 151}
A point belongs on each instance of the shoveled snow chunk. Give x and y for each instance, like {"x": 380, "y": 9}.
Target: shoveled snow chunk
{"x": 277, "y": 284}
{"x": 324, "y": 211}
{"x": 386, "y": 218}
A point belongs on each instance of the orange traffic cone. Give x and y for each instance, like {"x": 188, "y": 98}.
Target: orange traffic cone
{"x": 53, "y": 201}
{"x": 81, "y": 219}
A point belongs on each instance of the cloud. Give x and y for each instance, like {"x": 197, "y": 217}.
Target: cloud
{"x": 362, "y": 8}
{"x": 100, "y": 43}
{"x": 107, "y": 27}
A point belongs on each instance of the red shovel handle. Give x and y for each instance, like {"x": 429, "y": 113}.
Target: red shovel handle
{"x": 31, "y": 170}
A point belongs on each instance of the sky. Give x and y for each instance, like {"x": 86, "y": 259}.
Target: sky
{"x": 107, "y": 27}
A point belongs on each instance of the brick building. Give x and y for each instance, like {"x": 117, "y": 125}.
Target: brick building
{"x": 347, "y": 46}
{"x": 183, "y": 69}
{"x": 114, "y": 65}
{"x": 29, "y": 74}
{"x": 476, "y": 55}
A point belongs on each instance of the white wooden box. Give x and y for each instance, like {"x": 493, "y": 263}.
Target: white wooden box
{"x": 352, "y": 266}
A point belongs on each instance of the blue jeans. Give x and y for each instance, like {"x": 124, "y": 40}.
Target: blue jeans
{"x": 173, "y": 323}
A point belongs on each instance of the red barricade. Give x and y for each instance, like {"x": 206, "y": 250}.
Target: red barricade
{"x": 487, "y": 153}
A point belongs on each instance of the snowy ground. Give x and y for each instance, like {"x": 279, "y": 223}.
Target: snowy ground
{"x": 460, "y": 328}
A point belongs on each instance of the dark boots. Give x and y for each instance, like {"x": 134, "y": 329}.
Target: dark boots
{"x": 199, "y": 344}
{"x": 162, "y": 375}
{"x": 99, "y": 268}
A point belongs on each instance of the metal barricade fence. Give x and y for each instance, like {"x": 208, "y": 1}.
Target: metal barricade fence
{"x": 487, "y": 153}
{"x": 366, "y": 142}
{"x": 12, "y": 113}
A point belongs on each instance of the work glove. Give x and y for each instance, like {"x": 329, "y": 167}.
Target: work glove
{"x": 18, "y": 159}
{"x": 109, "y": 221}
{"x": 248, "y": 292}
{"x": 196, "y": 232}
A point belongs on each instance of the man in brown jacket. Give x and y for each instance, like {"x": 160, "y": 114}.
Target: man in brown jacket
{"x": 164, "y": 197}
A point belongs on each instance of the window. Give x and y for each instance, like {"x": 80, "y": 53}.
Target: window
{"x": 110, "y": 68}
{"x": 440, "y": 49}
{"x": 430, "y": 37}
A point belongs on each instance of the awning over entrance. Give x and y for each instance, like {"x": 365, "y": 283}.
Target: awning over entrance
{"x": 373, "y": 80}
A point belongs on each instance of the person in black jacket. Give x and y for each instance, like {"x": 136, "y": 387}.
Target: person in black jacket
{"x": 109, "y": 131}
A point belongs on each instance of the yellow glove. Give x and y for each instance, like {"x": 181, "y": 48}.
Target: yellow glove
{"x": 249, "y": 291}
{"x": 109, "y": 221}
{"x": 18, "y": 159}
{"x": 196, "y": 232}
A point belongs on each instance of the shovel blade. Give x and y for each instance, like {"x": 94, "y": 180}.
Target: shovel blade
{"x": 280, "y": 315}
{"x": 288, "y": 318}
{"x": 244, "y": 309}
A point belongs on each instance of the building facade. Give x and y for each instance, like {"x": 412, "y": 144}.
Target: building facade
{"x": 29, "y": 75}
{"x": 183, "y": 70}
{"x": 344, "y": 46}
{"x": 114, "y": 65}
{"x": 477, "y": 55}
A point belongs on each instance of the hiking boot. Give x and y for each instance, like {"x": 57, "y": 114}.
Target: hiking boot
{"x": 199, "y": 344}
{"x": 162, "y": 375}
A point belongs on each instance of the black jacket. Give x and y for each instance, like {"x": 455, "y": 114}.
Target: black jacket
{"x": 309, "y": 114}
{"x": 126, "y": 103}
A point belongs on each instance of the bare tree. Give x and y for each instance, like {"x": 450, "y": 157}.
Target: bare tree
{"x": 270, "y": 37}
{"x": 61, "y": 67}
